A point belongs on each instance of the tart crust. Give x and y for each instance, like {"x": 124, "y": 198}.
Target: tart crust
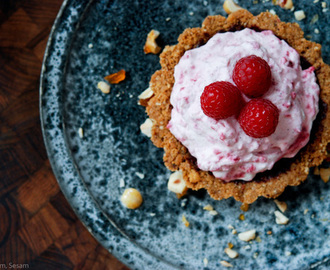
{"x": 286, "y": 172}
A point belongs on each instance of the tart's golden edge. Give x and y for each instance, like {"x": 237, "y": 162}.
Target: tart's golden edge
{"x": 177, "y": 156}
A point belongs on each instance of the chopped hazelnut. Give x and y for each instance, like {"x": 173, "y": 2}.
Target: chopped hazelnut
{"x": 230, "y": 6}
{"x": 145, "y": 96}
{"x": 286, "y": 4}
{"x": 146, "y": 127}
{"x": 177, "y": 184}
{"x": 151, "y": 46}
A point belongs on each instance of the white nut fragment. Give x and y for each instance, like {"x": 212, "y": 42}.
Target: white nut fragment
{"x": 231, "y": 253}
{"x": 299, "y": 15}
{"x": 151, "y": 46}
{"x": 146, "y": 127}
{"x": 281, "y": 205}
{"x": 226, "y": 264}
{"x": 247, "y": 236}
{"x": 205, "y": 261}
{"x": 131, "y": 198}
{"x": 230, "y": 6}
{"x": 176, "y": 183}
{"x": 104, "y": 87}
{"x": 148, "y": 93}
{"x": 81, "y": 132}
{"x": 280, "y": 218}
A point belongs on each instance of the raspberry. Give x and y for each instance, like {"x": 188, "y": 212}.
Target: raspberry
{"x": 252, "y": 75}
{"x": 221, "y": 100}
{"x": 259, "y": 118}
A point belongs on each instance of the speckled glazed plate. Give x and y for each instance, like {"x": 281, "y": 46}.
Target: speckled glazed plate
{"x": 91, "y": 39}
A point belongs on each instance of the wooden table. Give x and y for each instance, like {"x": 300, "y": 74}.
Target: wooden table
{"x": 38, "y": 229}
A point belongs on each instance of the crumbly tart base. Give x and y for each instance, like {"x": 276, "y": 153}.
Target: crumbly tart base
{"x": 287, "y": 172}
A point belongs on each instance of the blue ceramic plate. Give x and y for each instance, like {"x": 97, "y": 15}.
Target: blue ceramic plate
{"x": 91, "y": 39}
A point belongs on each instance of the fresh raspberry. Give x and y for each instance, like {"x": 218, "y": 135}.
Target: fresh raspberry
{"x": 221, "y": 100}
{"x": 252, "y": 75}
{"x": 259, "y": 118}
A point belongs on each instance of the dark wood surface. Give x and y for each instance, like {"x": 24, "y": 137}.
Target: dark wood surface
{"x": 38, "y": 229}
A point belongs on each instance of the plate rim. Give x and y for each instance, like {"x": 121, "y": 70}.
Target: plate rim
{"x": 147, "y": 256}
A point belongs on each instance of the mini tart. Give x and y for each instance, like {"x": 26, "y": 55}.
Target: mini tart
{"x": 286, "y": 172}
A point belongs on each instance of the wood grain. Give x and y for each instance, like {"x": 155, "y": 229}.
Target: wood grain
{"x": 38, "y": 228}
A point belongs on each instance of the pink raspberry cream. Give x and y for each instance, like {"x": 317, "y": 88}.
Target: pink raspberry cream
{"x": 221, "y": 146}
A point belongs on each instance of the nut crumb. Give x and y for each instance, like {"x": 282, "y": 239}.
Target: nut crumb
{"x": 281, "y": 205}
{"x": 241, "y": 217}
{"x": 151, "y": 46}
{"x": 231, "y": 253}
{"x": 140, "y": 175}
{"x": 213, "y": 212}
{"x": 306, "y": 211}
{"x": 245, "y": 207}
{"x": 205, "y": 262}
{"x": 226, "y": 264}
{"x": 230, "y": 245}
{"x": 121, "y": 183}
{"x": 272, "y": 11}
{"x": 80, "y": 132}
{"x": 255, "y": 255}
{"x": 324, "y": 174}
{"x": 269, "y": 232}
{"x": 314, "y": 19}
{"x": 280, "y": 218}
{"x": 104, "y": 87}
{"x": 299, "y": 15}
{"x": 185, "y": 221}
{"x": 288, "y": 253}
{"x": 208, "y": 207}
{"x": 247, "y": 235}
